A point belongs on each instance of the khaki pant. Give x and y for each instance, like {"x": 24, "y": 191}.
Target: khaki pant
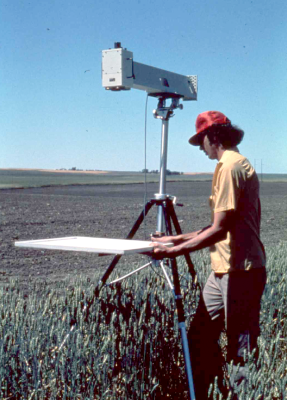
{"x": 230, "y": 301}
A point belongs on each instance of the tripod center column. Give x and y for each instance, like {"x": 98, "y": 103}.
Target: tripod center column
{"x": 162, "y": 178}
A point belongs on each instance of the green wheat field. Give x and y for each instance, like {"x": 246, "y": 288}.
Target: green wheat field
{"x": 128, "y": 347}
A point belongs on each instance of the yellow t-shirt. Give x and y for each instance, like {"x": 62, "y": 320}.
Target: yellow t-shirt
{"x": 235, "y": 186}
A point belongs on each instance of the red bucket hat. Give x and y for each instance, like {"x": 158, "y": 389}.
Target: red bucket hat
{"x": 206, "y": 120}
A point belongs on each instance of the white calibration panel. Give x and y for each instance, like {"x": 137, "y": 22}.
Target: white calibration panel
{"x": 91, "y": 245}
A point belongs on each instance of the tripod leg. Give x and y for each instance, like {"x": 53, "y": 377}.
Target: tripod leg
{"x": 116, "y": 259}
{"x": 171, "y": 214}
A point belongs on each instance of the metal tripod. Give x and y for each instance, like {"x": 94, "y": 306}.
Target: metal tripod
{"x": 166, "y": 218}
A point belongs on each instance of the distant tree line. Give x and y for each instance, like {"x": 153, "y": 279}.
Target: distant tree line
{"x": 76, "y": 169}
{"x": 155, "y": 171}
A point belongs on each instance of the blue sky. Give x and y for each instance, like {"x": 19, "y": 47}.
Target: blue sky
{"x": 53, "y": 114}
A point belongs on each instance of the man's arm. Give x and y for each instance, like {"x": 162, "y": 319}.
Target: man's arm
{"x": 178, "y": 239}
{"x": 223, "y": 222}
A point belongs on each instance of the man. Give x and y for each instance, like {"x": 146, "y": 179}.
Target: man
{"x": 234, "y": 288}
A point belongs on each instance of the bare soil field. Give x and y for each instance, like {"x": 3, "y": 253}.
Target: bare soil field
{"x": 103, "y": 211}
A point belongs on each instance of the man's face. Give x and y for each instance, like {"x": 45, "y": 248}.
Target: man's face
{"x": 209, "y": 149}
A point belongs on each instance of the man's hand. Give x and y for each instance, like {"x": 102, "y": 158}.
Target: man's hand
{"x": 160, "y": 251}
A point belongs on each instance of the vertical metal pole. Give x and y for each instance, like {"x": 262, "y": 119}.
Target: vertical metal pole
{"x": 181, "y": 325}
{"x": 162, "y": 178}
{"x": 182, "y": 328}
{"x": 186, "y": 354}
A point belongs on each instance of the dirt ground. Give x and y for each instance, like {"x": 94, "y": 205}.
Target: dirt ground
{"x": 103, "y": 211}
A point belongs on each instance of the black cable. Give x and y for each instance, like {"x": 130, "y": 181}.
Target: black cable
{"x": 145, "y": 170}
